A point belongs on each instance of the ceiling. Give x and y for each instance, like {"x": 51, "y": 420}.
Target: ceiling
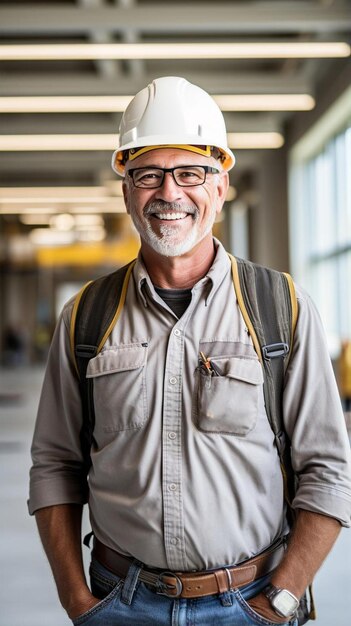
{"x": 136, "y": 22}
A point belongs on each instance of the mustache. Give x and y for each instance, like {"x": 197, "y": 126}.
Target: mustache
{"x": 159, "y": 206}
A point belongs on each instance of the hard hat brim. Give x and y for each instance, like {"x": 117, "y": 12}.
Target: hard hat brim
{"x": 157, "y": 142}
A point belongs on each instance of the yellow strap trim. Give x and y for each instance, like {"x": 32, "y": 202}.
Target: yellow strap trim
{"x": 73, "y": 323}
{"x": 138, "y": 151}
{"x": 119, "y": 308}
{"x": 294, "y": 308}
{"x": 242, "y": 307}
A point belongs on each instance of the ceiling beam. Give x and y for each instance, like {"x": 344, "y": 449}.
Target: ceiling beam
{"x": 30, "y": 84}
{"x": 51, "y": 167}
{"x": 105, "y": 124}
{"x": 216, "y": 18}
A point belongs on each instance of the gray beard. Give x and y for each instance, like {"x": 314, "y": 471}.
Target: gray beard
{"x": 166, "y": 242}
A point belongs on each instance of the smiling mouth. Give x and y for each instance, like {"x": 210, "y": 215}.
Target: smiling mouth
{"x": 171, "y": 216}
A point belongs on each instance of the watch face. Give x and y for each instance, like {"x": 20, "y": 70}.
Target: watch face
{"x": 284, "y": 603}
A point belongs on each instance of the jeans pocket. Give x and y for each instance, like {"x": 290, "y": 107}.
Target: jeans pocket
{"x": 88, "y": 617}
{"x": 102, "y": 582}
{"x": 254, "y": 619}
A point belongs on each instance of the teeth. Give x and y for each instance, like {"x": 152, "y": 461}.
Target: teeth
{"x": 171, "y": 216}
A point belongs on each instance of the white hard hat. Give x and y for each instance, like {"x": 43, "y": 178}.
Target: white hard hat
{"x": 172, "y": 112}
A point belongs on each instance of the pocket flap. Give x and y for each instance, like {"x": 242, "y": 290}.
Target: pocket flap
{"x": 247, "y": 370}
{"x": 119, "y": 359}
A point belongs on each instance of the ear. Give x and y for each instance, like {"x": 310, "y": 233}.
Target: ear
{"x": 126, "y": 193}
{"x": 222, "y": 189}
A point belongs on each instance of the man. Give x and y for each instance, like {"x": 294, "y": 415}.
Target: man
{"x": 189, "y": 523}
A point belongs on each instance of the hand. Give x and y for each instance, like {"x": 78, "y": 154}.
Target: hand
{"x": 261, "y": 605}
{"x": 82, "y": 605}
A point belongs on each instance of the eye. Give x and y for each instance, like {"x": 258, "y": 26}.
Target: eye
{"x": 190, "y": 175}
{"x": 147, "y": 176}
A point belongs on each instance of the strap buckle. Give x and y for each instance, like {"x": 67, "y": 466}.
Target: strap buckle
{"x": 274, "y": 351}
{"x": 166, "y": 588}
{"x": 85, "y": 351}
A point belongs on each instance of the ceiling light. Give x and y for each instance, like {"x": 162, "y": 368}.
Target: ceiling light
{"x": 208, "y": 50}
{"x": 64, "y": 104}
{"x": 84, "y": 221}
{"x": 25, "y": 143}
{"x": 51, "y": 237}
{"x": 49, "y": 206}
{"x": 96, "y": 194}
{"x": 35, "y": 219}
{"x": 113, "y": 104}
{"x": 98, "y": 233}
{"x": 62, "y": 221}
{"x": 30, "y": 192}
{"x": 117, "y": 206}
{"x": 24, "y": 210}
{"x": 264, "y": 102}
{"x": 55, "y": 200}
{"x": 255, "y": 141}
{"x": 28, "y": 143}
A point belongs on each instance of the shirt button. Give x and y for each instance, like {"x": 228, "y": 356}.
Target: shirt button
{"x": 177, "y": 332}
{"x": 172, "y": 435}
{"x": 173, "y": 380}
{"x": 174, "y": 541}
{"x": 172, "y": 487}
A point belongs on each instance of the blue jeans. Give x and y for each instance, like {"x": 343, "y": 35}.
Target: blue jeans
{"x": 129, "y": 602}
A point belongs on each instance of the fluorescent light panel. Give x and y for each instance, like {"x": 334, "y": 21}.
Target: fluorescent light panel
{"x": 113, "y": 104}
{"x": 25, "y": 143}
{"x": 35, "y": 219}
{"x": 94, "y": 191}
{"x": 56, "y": 200}
{"x": 265, "y": 102}
{"x": 43, "y": 143}
{"x": 208, "y": 50}
{"x": 11, "y": 209}
{"x": 255, "y": 141}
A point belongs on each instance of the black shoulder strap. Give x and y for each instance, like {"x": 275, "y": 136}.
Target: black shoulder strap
{"x": 268, "y": 303}
{"x": 95, "y": 312}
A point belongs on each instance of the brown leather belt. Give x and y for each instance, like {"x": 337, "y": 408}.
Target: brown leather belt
{"x": 194, "y": 584}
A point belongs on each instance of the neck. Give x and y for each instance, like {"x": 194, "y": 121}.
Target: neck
{"x": 179, "y": 272}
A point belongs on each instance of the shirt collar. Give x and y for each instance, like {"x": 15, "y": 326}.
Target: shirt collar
{"x": 217, "y": 272}
{"x": 211, "y": 281}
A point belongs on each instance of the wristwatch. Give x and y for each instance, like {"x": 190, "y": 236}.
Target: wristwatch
{"x": 284, "y": 603}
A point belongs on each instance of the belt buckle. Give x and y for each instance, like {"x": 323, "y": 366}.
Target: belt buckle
{"x": 164, "y": 588}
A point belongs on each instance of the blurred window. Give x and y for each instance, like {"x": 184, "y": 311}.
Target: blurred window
{"x": 320, "y": 220}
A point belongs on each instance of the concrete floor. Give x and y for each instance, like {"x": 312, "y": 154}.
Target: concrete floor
{"x": 27, "y": 592}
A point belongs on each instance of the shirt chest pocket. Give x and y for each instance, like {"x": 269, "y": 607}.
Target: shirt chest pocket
{"x": 228, "y": 403}
{"x": 119, "y": 385}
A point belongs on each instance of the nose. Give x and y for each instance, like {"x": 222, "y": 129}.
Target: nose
{"x": 169, "y": 190}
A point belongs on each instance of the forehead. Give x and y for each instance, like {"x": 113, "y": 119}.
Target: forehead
{"x": 168, "y": 157}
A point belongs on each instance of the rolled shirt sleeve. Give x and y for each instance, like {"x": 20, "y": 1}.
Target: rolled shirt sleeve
{"x": 315, "y": 422}
{"x": 57, "y": 475}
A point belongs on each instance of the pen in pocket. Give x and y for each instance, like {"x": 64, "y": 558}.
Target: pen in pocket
{"x": 211, "y": 368}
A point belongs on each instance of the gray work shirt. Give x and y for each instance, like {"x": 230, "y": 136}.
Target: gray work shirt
{"x": 185, "y": 474}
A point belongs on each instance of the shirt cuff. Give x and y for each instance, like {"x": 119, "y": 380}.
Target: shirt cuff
{"x": 55, "y": 491}
{"x": 326, "y": 501}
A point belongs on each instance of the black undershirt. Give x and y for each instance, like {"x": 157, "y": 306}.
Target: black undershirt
{"x": 177, "y": 299}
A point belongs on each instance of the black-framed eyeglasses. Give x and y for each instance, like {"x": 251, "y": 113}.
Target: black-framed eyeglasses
{"x": 184, "y": 176}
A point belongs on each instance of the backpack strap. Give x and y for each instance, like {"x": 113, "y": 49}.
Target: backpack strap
{"x": 268, "y": 303}
{"x": 95, "y": 312}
